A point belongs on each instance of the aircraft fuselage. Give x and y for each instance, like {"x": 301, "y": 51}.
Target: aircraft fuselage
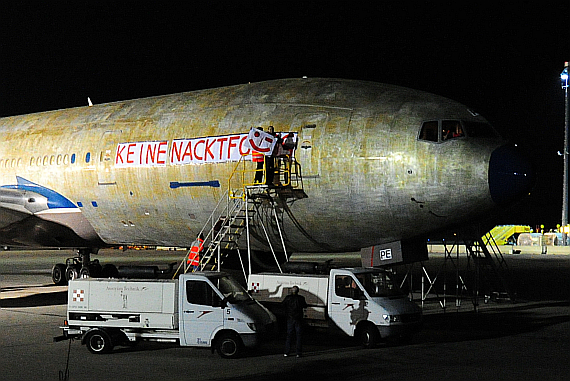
{"x": 368, "y": 173}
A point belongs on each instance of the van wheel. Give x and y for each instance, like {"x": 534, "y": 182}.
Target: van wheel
{"x": 229, "y": 345}
{"x": 368, "y": 335}
{"x": 98, "y": 342}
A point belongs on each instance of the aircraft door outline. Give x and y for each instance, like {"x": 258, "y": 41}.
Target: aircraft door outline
{"x": 309, "y": 125}
{"x": 106, "y": 157}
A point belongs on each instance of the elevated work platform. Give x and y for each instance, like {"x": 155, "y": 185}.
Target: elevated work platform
{"x": 252, "y": 201}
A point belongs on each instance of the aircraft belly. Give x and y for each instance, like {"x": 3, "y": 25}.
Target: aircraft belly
{"x": 36, "y": 232}
{"x": 10, "y": 216}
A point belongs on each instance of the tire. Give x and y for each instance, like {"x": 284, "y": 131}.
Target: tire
{"x": 71, "y": 273}
{"x": 91, "y": 271}
{"x": 229, "y": 345}
{"x": 98, "y": 342}
{"x": 84, "y": 273}
{"x": 58, "y": 274}
{"x": 368, "y": 336}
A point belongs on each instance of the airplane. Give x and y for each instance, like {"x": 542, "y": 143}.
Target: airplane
{"x": 379, "y": 165}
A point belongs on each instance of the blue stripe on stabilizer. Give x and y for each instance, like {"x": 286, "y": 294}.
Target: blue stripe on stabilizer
{"x": 54, "y": 199}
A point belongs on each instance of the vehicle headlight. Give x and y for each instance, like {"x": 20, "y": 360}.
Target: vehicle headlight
{"x": 392, "y": 318}
{"x": 252, "y": 326}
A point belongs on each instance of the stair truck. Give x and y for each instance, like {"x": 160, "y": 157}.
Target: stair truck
{"x": 363, "y": 302}
{"x": 201, "y": 309}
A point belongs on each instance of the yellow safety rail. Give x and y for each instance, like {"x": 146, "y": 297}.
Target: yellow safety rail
{"x": 286, "y": 173}
{"x": 500, "y": 234}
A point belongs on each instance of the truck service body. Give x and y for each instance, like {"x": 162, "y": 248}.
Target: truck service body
{"x": 203, "y": 309}
{"x": 362, "y": 302}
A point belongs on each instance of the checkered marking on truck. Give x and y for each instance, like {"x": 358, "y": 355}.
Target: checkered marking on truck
{"x": 255, "y": 287}
{"x": 78, "y": 295}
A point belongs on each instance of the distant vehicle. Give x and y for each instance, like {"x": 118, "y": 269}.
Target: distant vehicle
{"x": 505, "y": 234}
{"x": 363, "y": 302}
{"x": 201, "y": 309}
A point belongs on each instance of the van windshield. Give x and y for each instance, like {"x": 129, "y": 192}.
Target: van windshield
{"x": 379, "y": 284}
{"x": 233, "y": 292}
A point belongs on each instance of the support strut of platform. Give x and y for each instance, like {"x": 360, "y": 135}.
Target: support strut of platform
{"x": 471, "y": 270}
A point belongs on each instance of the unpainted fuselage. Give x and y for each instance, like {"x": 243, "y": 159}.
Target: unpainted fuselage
{"x": 368, "y": 175}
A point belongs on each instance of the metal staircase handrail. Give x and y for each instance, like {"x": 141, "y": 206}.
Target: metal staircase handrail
{"x": 241, "y": 197}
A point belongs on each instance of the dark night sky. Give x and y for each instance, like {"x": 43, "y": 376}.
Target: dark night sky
{"x": 502, "y": 60}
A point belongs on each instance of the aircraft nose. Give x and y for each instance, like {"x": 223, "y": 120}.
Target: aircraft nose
{"x": 510, "y": 174}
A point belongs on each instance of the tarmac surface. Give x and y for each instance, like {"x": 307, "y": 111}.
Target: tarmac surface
{"x": 528, "y": 338}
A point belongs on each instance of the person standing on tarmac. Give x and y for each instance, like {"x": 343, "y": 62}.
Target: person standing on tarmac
{"x": 294, "y": 305}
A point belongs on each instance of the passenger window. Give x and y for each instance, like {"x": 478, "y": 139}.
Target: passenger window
{"x": 429, "y": 131}
{"x": 451, "y": 129}
{"x": 198, "y": 292}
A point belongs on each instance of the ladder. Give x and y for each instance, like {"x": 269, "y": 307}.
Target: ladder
{"x": 227, "y": 232}
{"x": 241, "y": 209}
{"x": 485, "y": 275}
{"x": 491, "y": 267}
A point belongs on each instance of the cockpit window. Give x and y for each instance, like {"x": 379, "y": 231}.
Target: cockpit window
{"x": 444, "y": 130}
{"x": 429, "y": 131}
{"x": 451, "y": 129}
{"x": 479, "y": 130}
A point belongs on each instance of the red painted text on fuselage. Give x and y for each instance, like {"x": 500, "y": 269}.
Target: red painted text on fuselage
{"x": 212, "y": 149}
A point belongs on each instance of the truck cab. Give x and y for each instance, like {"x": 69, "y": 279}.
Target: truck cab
{"x": 217, "y": 312}
{"x": 368, "y": 304}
